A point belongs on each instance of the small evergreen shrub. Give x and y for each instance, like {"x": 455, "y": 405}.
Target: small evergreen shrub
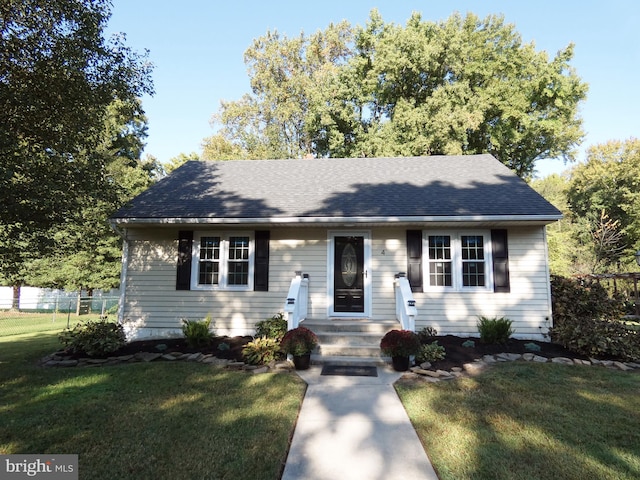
{"x": 532, "y": 347}
{"x": 274, "y": 327}
{"x": 469, "y": 344}
{"x": 197, "y": 333}
{"x": 431, "y": 352}
{"x": 94, "y": 338}
{"x": 261, "y": 350}
{"x": 587, "y": 321}
{"x": 494, "y": 330}
{"x": 427, "y": 333}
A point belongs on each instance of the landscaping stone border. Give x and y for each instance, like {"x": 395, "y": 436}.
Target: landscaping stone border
{"x": 479, "y": 365}
{"x": 424, "y": 371}
{"x": 59, "y": 359}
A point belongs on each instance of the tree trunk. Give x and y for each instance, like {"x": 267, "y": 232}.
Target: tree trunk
{"x": 15, "y": 302}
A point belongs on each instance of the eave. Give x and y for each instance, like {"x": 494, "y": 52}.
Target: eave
{"x": 435, "y": 221}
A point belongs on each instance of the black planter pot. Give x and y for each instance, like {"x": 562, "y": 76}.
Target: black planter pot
{"x": 400, "y": 364}
{"x": 302, "y": 362}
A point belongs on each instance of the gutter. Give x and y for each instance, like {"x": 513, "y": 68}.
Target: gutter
{"x": 143, "y": 221}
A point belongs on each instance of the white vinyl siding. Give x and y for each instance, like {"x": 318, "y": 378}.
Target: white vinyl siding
{"x": 153, "y": 305}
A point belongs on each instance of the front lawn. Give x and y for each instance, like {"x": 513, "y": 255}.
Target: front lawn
{"x": 522, "y": 421}
{"x": 146, "y": 420}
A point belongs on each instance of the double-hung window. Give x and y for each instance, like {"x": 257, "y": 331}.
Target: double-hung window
{"x": 223, "y": 261}
{"x": 458, "y": 261}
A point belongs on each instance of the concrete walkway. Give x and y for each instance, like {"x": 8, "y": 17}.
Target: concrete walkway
{"x": 353, "y": 428}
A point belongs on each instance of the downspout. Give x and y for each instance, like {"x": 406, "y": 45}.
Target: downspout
{"x": 122, "y": 232}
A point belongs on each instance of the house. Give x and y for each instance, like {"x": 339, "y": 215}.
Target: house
{"x": 424, "y": 241}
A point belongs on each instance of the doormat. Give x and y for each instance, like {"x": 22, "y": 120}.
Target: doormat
{"x": 350, "y": 370}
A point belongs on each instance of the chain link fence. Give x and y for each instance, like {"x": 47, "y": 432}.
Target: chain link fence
{"x": 55, "y": 313}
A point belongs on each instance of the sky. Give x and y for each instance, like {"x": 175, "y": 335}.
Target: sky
{"x": 197, "y": 49}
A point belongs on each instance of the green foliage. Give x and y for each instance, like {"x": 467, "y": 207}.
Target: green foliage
{"x": 532, "y": 347}
{"x": 88, "y": 253}
{"x": 94, "y": 338}
{"x": 197, "y": 332}
{"x": 425, "y": 334}
{"x": 469, "y": 344}
{"x": 274, "y": 327}
{"x": 605, "y": 191}
{"x": 261, "y": 351}
{"x": 299, "y": 341}
{"x": 400, "y": 343}
{"x": 59, "y": 76}
{"x": 463, "y": 85}
{"x": 494, "y": 330}
{"x": 431, "y": 352}
{"x": 587, "y": 321}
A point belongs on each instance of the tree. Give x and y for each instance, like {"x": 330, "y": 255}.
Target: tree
{"x": 58, "y": 75}
{"x": 561, "y": 235}
{"x": 605, "y": 191}
{"x": 181, "y": 158}
{"x": 463, "y": 85}
{"x": 88, "y": 252}
{"x": 289, "y": 80}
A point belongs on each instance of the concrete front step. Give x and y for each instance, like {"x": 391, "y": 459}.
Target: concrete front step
{"x": 318, "y": 359}
{"x": 349, "y": 340}
{"x": 351, "y": 325}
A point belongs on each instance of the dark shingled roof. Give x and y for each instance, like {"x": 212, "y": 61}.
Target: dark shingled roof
{"x": 437, "y": 186}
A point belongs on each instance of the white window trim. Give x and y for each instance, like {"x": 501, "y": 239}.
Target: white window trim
{"x": 456, "y": 260}
{"x": 224, "y": 260}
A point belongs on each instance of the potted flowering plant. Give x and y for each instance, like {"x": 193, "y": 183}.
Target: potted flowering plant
{"x": 400, "y": 345}
{"x": 299, "y": 342}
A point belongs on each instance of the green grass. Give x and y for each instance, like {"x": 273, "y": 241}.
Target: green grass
{"x": 524, "y": 421}
{"x": 20, "y": 323}
{"x": 146, "y": 420}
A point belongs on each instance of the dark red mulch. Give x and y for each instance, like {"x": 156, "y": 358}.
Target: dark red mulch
{"x": 457, "y": 355}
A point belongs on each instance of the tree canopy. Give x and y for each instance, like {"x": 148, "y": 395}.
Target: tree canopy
{"x": 463, "y": 85}
{"x": 600, "y": 201}
{"x": 605, "y": 191}
{"x": 58, "y": 76}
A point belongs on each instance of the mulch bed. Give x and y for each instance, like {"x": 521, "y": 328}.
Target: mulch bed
{"x": 457, "y": 355}
{"x": 168, "y": 345}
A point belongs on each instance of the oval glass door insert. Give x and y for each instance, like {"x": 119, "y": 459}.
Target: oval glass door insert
{"x": 349, "y": 263}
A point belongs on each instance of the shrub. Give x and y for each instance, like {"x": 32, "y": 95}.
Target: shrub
{"x": 400, "y": 343}
{"x": 274, "y": 327}
{"x": 587, "y": 321}
{"x": 197, "y": 333}
{"x": 427, "y": 333}
{"x": 431, "y": 352}
{"x": 494, "y": 330}
{"x": 94, "y": 338}
{"x": 299, "y": 341}
{"x": 261, "y": 350}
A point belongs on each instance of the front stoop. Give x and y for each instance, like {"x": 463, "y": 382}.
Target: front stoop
{"x": 349, "y": 341}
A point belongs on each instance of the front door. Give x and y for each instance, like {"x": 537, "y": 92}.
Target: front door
{"x": 349, "y": 274}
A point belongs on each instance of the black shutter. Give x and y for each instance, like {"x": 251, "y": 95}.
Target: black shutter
{"x": 261, "y": 269}
{"x": 500, "y": 261}
{"x": 414, "y": 259}
{"x": 183, "y": 276}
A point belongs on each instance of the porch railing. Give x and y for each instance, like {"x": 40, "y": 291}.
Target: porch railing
{"x": 297, "y": 304}
{"x": 406, "y": 311}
